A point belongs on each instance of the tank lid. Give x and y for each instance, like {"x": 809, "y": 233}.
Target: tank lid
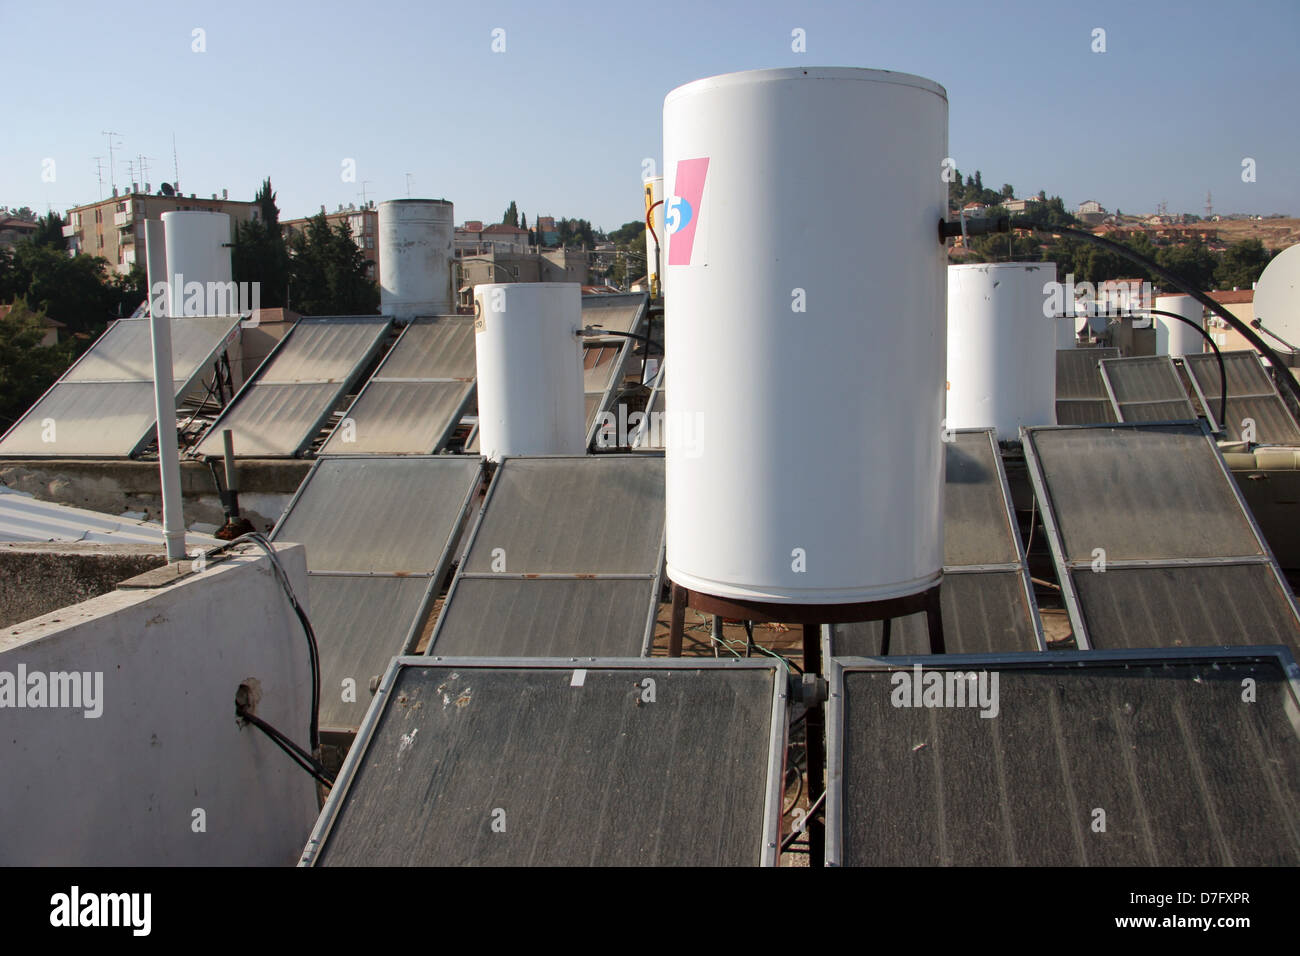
{"x": 425, "y": 202}
{"x": 783, "y": 74}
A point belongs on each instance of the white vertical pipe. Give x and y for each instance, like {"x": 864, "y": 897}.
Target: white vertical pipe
{"x": 164, "y": 394}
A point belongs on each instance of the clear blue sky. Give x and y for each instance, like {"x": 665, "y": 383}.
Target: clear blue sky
{"x": 562, "y": 119}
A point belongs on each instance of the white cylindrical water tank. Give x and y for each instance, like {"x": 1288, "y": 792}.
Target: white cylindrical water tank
{"x": 415, "y": 253}
{"x": 529, "y": 359}
{"x": 654, "y": 193}
{"x": 805, "y": 332}
{"x": 1001, "y": 347}
{"x": 198, "y": 251}
{"x": 1174, "y": 338}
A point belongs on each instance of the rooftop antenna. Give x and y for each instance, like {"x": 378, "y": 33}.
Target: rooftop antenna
{"x": 142, "y": 164}
{"x": 130, "y": 171}
{"x": 112, "y": 178}
{"x": 362, "y": 194}
{"x": 99, "y": 173}
{"x": 176, "y": 167}
{"x": 409, "y": 177}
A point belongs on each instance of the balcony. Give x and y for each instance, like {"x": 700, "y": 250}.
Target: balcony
{"x": 69, "y": 232}
{"x": 122, "y": 218}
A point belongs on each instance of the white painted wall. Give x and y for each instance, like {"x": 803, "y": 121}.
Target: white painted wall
{"x": 121, "y": 789}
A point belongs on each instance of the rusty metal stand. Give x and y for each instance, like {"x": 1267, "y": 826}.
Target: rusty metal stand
{"x": 811, "y": 617}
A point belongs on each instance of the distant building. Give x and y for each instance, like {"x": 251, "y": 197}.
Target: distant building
{"x": 114, "y": 227}
{"x": 548, "y": 233}
{"x": 1241, "y": 303}
{"x": 1017, "y": 206}
{"x": 364, "y": 223}
{"x": 473, "y": 235}
{"x": 12, "y": 230}
{"x": 488, "y": 264}
{"x": 51, "y": 327}
{"x": 1091, "y": 212}
{"x": 974, "y": 210}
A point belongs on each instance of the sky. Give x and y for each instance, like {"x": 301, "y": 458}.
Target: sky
{"x": 561, "y": 119}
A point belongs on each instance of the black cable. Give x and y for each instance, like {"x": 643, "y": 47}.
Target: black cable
{"x": 592, "y": 330}
{"x": 1214, "y": 346}
{"x": 313, "y": 649}
{"x": 299, "y": 756}
{"x": 789, "y": 841}
{"x": 1156, "y": 269}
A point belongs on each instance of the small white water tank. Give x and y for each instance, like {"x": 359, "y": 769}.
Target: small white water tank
{"x": 1001, "y": 347}
{"x": 1174, "y": 338}
{"x": 529, "y": 359}
{"x": 198, "y": 251}
{"x": 805, "y": 331}
{"x": 415, "y": 253}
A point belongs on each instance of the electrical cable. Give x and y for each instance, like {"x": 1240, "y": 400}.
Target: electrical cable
{"x": 1280, "y": 368}
{"x": 313, "y": 649}
{"x": 296, "y": 753}
{"x": 1214, "y": 346}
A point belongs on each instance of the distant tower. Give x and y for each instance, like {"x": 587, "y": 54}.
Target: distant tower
{"x": 1209, "y": 206}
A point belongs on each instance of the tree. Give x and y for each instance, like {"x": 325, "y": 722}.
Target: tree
{"x": 1008, "y": 191}
{"x": 259, "y": 253}
{"x": 328, "y": 272}
{"x": 1192, "y": 262}
{"x": 27, "y": 368}
{"x": 523, "y": 221}
{"x": 630, "y": 233}
{"x": 1241, "y": 264}
{"x": 76, "y": 290}
{"x": 49, "y": 231}
{"x": 511, "y": 217}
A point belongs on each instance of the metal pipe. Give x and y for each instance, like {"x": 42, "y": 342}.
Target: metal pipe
{"x": 164, "y": 389}
{"x": 228, "y": 453}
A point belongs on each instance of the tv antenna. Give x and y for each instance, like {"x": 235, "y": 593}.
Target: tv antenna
{"x": 176, "y": 167}
{"x": 409, "y": 177}
{"x": 112, "y": 177}
{"x": 99, "y": 173}
{"x": 362, "y": 194}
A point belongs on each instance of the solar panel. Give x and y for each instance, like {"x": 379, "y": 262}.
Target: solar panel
{"x": 103, "y": 406}
{"x": 379, "y": 534}
{"x": 566, "y": 558}
{"x": 1253, "y": 402}
{"x": 986, "y": 595}
{"x": 1146, "y": 389}
{"x": 412, "y": 403}
{"x": 280, "y": 409}
{"x": 616, "y": 313}
{"x": 1175, "y": 758}
{"x": 650, "y": 434}
{"x": 1146, "y": 521}
{"x": 605, "y": 358}
{"x": 1081, "y": 396}
{"x": 549, "y": 763}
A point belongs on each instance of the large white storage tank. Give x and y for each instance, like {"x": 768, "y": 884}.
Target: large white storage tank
{"x": 529, "y": 358}
{"x": 1001, "y": 347}
{"x": 198, "y": 250}
{"x": 415, "y": 253}
{"x": 1174, "y": 338}
{"x": 805, "y": 333}
{"x": 654, "y": 194}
